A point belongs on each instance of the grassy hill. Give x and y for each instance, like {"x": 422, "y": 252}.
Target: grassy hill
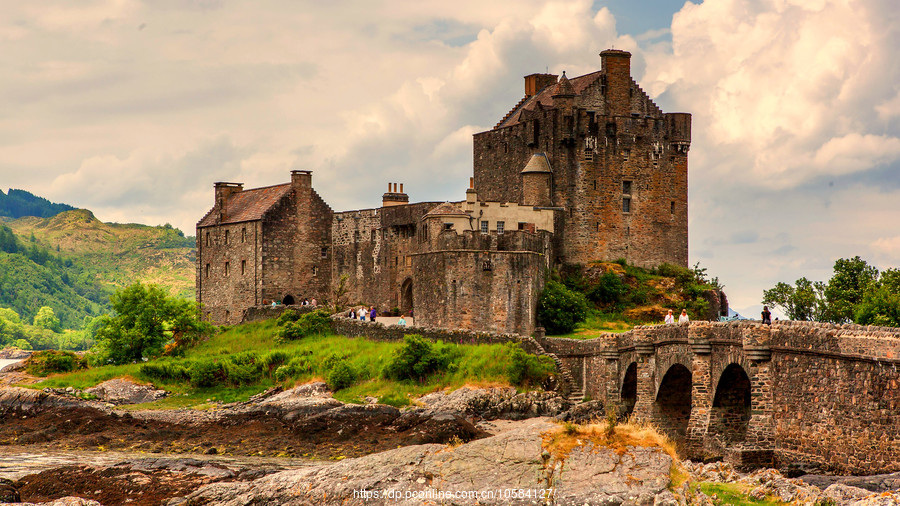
{"x": 72, "y": 262}
{"x": 622, "y": 295}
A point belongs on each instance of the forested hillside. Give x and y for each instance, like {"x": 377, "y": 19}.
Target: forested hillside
{"x": 19, "y": 203}
{"x": 72, "y": 262}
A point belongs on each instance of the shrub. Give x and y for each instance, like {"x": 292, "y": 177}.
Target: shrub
{"x": 165, "y": 371}
{"x": 526, "y": 369}
{"x": 560, "y": 309}
{"x": 48, "y": 362}
{"x": 288, "y": 316}
{"x": 341, "y": 375}
{"x": 418, "y": 358}
{"x": 609, "y": 290}
{"x": 294, "y": 367}
{"x": 315, "y": 323}
{"x": 22, "y": 344}
{"x": 205, "y": 373}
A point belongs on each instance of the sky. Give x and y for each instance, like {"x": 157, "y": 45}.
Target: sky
{"x": 133, "y": 109}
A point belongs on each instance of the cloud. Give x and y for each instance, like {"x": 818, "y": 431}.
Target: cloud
{"x": 785, "y": 88}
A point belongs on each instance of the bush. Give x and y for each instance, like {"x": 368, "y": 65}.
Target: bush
{"x": 560, "y": 309}
{"x": 315, "y": 323}
{"x": 418, "y": 358}
{"x": 294, "y": 367}
{"x": 48, "y": 362}
{"x": 205, "y": 373}
{"x": 609, "y": 290}
{"x": 165, "y": 371}
{"x": 341, "y": 375}
{"x": 526, "y": 369}
{"x": 22, "y": 344}
{"x": 288, "y": 316}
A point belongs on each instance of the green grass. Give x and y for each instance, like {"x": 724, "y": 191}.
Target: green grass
{"x": 474, "y": 364}
{"x": 734, "y": 494}
{"x": 599, "y": 323}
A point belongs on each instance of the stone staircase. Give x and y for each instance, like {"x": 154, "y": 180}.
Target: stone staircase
{"x": 567, "y": 388}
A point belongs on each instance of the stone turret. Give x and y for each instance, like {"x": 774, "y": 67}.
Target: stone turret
{"x": 536, "y": 180}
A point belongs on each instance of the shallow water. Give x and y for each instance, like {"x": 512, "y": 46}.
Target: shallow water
{"x": 16, "y": 462}
{"x": 5, "y": 361}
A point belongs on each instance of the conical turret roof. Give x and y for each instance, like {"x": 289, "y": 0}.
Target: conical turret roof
{"x": 538, "y": 163}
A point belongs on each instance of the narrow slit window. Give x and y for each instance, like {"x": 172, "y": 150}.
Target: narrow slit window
{"x": 226, "y": 237}
{"x": 626, "y": 204}
{"x": 226, "y": 268}
{"x": 244, "y": 234}
{"x": 243, "y": 267}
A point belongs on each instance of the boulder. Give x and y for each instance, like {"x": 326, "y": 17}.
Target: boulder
{"x": 123, "y": 391}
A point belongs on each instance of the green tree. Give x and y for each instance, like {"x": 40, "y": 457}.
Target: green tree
{"x": 880, "y": 306}
{"x": 846, "y": 288}
{"x": 560, "y": 309}
{"x": 47, "y": 319}
{"x": 803, "y": 301}
{"x": 146, "y": 318}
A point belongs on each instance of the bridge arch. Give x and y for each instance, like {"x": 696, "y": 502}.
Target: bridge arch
{"x": 730, "y": 414}
{"x": 288, "y": 300}
{"x": 628, "y": 395}
{"x": 672, "y": 406}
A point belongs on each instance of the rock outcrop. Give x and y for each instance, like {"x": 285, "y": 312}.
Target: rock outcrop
{"x": 511, "y": 467}
{"x": 121, "y": 391}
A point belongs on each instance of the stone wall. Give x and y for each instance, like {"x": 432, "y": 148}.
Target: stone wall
{"x": 228, "y": 269}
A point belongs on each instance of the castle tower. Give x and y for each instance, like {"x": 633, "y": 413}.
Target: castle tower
{"x": 619, "y": 165}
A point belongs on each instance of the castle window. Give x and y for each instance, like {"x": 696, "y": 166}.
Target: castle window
{"x": 324, "y": 252}
{"x": 356, "y": 236}
{"x": 672, "y": 207}
{"x": 484, "y": 227}
{"x": 243, "y": 267}
{"x": 243, "y": 234}
{"x": 207, "y": 238}
{"x": 372, "y": 235}
{"x": 448, "y": 226}
{"x": 409, "y": 261}
{"x": 588, "y": 154}
{"x": 522, "y": 225}
{"x": 315, "y": 270}
{"x": 625, "y": 154}
{"x": 207, "y": 270}
{"x": 226, "y": 237}
{"x": 626, "y": 204}
{"x": 500, "y": 226}
{"x": 626, "y": 187}
{"x": 226, "y": 268}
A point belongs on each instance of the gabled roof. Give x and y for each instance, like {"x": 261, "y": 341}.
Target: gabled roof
{"x": 575, "y": 86}
{"x": 248, "y": 205}
{"x": 446, "y": 209}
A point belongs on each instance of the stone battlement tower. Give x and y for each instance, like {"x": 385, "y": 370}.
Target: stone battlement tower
{"x": 597, "y": 149}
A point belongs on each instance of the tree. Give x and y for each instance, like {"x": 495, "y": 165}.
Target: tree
{"x": 846, "y": 288}
{"x": 560, "y": 309}
{"x": 47, "y": 319}
{"x": 800, "y": 302}
{"x": 146, "y": 318}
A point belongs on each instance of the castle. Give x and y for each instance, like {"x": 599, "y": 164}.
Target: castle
{"x": 579, "y": 170}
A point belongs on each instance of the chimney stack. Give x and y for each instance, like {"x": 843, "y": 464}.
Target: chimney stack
{"x": 616, "y": 67}
{"x": 393, "y": 197}
{"x": 223, "y": 192}
{"x": 534, "y": 83}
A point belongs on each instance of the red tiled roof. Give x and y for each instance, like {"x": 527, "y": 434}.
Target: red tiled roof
{"x": 545, "y": 97}
{"x": 248, "y": 205}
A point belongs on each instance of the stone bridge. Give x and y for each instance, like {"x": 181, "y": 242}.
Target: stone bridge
{"x": 781, "y": 394}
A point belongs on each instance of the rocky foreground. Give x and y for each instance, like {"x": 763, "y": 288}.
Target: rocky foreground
{"x": 471, "y": 446}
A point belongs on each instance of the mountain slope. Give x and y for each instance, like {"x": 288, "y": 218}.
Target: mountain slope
{"x": 79, "y": 261}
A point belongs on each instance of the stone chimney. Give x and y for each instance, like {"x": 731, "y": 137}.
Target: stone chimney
{"x": 534, "y": 83}
{"x": 301, "y": 179}
{"x": 616, "y": 67}
{"x": 223, "y": 192}
{"x": 471, "y": 196}
{"x": 394, "y": 197}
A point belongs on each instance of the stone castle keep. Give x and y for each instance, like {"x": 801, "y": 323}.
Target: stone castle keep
{"x": 580, "y": 169}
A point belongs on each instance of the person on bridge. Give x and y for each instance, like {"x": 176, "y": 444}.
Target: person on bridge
{"x": 766, "y": 316}
{"x": 670, "y": 318}
{"x": 683, "y": 317}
